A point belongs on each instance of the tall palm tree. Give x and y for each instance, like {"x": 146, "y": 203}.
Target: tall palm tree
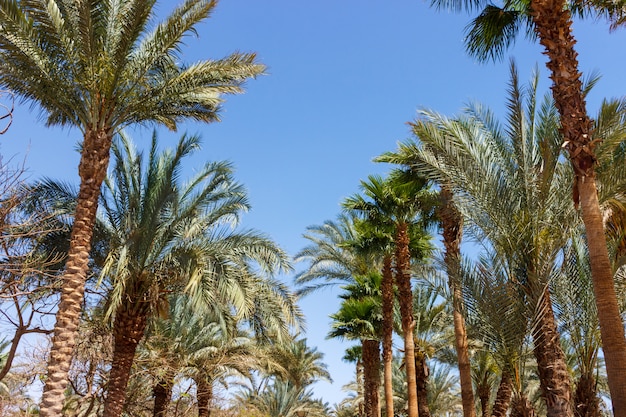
{"x": 376, "y": 238}
{"x": 507, "y": 183}
{"x": 402, "y": 202}
{"x": 168, "y": 237}
{"x": 452, "y": 232}
{"x": 360, "y": 318}
{"x": 97, "y": 67}
{"x": 550, "y": 21}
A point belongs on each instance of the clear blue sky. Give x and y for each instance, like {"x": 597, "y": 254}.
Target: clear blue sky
{"x": 344, "y": 77}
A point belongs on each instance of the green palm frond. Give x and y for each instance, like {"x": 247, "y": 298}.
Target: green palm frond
{"x": 96, "y": 65}
{"x": 332, "y": 255}
{"x": 489, "y": 35}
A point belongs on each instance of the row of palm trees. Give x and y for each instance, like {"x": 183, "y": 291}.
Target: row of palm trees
{"x": 94, "y": 66}
{"x": 506, "y": 185}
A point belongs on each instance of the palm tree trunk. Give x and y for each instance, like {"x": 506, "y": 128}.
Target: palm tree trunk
{"x": 360, "y": 383}
{"x": 204, "y": 396}
{"x": 452, "y": 224}
{"x": 586, "y": 401}
{"x": 554, "y": 378}
{"x": 405, "y": 295}
{"x": 371, "y": 377}
{"x": 521, "y": 407}
{"x": 421, "y": 376}
{"x": 387, "y": 301}
{"x": 162, "y": 392}
{"x": 92, "y": 170}
{"x": 503, "y": 396}
{"x": 611, "y": 326}
{"x": 128, "y": 329}
{"x": 553, "y": 25}
{"x": 483, "y": 391}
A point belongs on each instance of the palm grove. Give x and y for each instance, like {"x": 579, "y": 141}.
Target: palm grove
{"x": 161, "y": 299}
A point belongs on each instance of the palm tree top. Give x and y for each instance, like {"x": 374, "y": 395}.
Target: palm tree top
{"x": 490, "y": 34}
{"x": 98, "y": 65}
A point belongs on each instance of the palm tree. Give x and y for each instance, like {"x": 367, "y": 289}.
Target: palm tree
{"x": 402, "y": 202}
{"x": 575, "y": 309}
{"x": 507, "y": 184}
{"x": 431, "y": 337}
{"x": 550, "y": 21}
{"x": 332, "y": 255}
{"x": 452, "y": 231}
{"x": 283, "y": 399}
{"x": 165, "y": 237}
{"x": 203, "y": 347}
{"x": 443, "y": 395}
{"x": 97, "y": 67}
{"x": 299, "y": 363}
{"x": 375, "y": 237}
{"x": 500, "y": 319}
{"x": 360, "y": 318}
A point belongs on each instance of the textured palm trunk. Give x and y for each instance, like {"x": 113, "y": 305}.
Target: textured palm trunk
{"x": 553, "y": 25}
{"x": 162, "y": 392}
{"x": 554, "y": 378}
{"x": 387, "y": 301}
{"x": 204, "y": 396}
{"x": 586, "y": 401}
{"x": 483, "y": 391}
{"x": 360, "y": 385}
{"x": 128, "y": 329}
{"x": 92, "y": 170}
{"x": 371, "y": 377}
{"x": 521, "y": 407}
{"x": 405, "y": 296}
{"x": 452, "y": 224}
{"x": 421, "y": 376}
{"x": 503, "y": 396}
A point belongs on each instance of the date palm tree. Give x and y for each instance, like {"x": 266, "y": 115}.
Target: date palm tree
{"x": 203, "y": 347}
{"x": 576, "y": 311}
{"x": 550, "y": 21}
{"x": 507, "y": 183}
{"x": 167, "y": 237}
{"x": 98, "y": 67}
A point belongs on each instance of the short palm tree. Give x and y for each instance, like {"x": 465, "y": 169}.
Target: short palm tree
{"x": 169, "y": 237}
{"x": 360, "y": 318}
{"x": 432, "y": 336}
{"x": 98, "y": 67}
{"x": 498, "y": 317}
{"x": 283, "y": 399}
{"x": 299, "y": 363}
{"x": 203, "y": 347}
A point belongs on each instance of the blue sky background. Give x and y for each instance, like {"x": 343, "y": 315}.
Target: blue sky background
{"x": 343, "y": 78}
